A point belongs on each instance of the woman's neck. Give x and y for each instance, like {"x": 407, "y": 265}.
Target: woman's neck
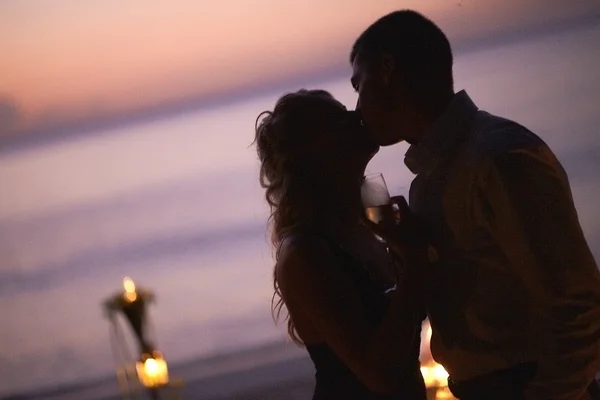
{"x": 340, "y": 207}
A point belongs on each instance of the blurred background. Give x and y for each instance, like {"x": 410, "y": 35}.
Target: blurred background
{"x": 125, "y": 132}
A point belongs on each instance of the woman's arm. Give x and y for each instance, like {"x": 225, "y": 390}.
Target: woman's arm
{"x": 313, "y": 283}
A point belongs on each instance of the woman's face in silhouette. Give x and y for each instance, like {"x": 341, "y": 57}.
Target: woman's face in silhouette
{"x": 343, "y": 143}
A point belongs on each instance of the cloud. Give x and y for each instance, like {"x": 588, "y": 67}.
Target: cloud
{"x": 70, "y": 267}
{"x": 187, "y": 215}
{"x": 9, "y": 116}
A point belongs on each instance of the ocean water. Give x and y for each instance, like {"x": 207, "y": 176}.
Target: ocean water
{"x": 176, "y": 205}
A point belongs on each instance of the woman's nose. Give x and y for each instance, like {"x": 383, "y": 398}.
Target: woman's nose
{"x": 357, "y": 109}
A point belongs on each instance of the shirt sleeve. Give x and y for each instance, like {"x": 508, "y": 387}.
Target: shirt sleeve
{"x": 538, "y": 188}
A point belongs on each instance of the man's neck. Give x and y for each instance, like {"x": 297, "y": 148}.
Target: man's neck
{"x": 428, "y": 117}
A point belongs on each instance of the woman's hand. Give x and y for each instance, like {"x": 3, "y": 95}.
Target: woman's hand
{"x": 406, "y": 236}
{"x": 407, "y": 241}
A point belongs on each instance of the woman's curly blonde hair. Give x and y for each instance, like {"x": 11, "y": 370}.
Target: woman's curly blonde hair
{"x": 289, "y": 171}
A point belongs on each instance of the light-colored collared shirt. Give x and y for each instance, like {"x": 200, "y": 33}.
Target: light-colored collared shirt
{"x": 514, "y": 280}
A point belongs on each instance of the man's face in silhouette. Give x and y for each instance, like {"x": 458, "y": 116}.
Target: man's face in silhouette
{"x": 373, "y": 83}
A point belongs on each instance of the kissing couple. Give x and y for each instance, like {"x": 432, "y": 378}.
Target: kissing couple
{"x": 488, "y": 246}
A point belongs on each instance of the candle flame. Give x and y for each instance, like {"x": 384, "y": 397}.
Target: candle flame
{"x": 129, "y": 286}
{"x": 153, "y": 372}
{"x": 434, "y": 374}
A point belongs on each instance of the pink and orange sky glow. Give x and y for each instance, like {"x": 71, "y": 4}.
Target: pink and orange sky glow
{"x": 66, "y": 61}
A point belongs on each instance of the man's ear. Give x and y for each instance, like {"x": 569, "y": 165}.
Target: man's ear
{"x": 388, "y": 65}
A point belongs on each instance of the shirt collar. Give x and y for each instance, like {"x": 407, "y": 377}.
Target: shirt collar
{"x": 449, "y": 130}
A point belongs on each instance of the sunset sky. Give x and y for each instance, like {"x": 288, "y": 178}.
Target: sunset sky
{"x": 68, "y": 61}
{"x": 124, "y": 150}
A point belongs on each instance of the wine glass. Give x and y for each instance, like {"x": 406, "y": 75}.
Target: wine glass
{"x": 376, "y": 200}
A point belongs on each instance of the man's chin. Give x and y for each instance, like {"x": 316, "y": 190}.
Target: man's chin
{"x": 386, "y": 138}
{"x": 374, "y": 150}
{"x": 392, "y": 142}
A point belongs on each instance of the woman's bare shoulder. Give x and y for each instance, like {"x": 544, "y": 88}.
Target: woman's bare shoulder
{"x": 302, "y": 256}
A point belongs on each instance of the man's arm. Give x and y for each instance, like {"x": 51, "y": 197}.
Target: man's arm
{"x": 539, "y": 190}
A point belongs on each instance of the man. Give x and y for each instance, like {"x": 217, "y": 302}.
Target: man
{"x": 513, "y": 292}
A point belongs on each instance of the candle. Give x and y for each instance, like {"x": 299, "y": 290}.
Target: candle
{"x": 152, "y": 371}
{"x": 130, "y": 293}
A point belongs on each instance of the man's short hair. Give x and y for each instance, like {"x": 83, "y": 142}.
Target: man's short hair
{"x": 420, "y": 49}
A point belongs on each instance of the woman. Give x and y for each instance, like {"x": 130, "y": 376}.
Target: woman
{"x": 349, "y": 302}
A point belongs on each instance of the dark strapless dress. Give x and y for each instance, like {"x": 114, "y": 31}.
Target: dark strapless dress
{"x": 334, "y": 381}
